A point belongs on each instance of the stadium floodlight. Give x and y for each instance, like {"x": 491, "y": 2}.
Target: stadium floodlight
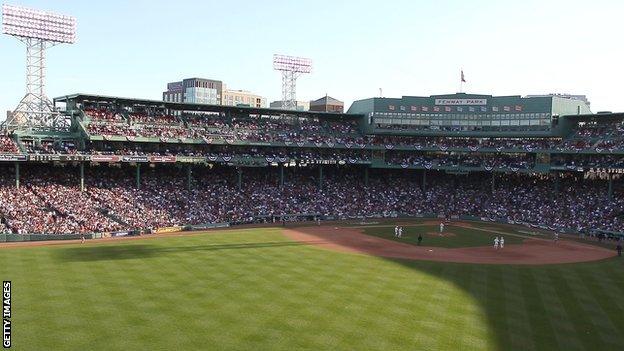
{"x": 291, "y": 68}
{"x": 39, "y": 30}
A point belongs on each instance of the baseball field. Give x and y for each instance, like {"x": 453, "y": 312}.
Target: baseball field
{"x": 317, "y": 288}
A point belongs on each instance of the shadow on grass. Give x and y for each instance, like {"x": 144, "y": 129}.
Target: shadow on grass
{"x": 91, "y": 253}
{"x": 549, "y": 307}
{"x": 574, "y": 306}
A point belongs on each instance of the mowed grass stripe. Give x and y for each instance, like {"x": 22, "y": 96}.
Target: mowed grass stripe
{"x": 541, "y": 329}
{"x": 519, "y": 333}
{"x": 496, "y": 294}
{"x": 604, "y": 312}
{"x": 571, "y": 335}
{"x": 459, "y": 315}
{"x": 558, "y": 317}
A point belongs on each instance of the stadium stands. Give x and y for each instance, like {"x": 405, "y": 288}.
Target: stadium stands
{"x": 144, "y": 167}
{"x": 51, "y": 202}
{"x": 7, "y": 145}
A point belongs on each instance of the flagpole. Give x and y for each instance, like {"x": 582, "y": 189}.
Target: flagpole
{"x": 461, "y": 81}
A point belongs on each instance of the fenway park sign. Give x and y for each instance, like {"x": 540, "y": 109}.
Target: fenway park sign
{"x": 454, "y": 102}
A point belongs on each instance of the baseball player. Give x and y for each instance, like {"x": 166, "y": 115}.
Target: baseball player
{"x": 441, "y": 227}
{"x": 496, "y": 242}
{"x": 400, "y": 232}
{"x": 502, "y": 242}
{"x": 556, "y": 237}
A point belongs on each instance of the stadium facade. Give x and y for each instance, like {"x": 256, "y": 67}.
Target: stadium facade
{"x": 468, "y": 112}
{"x": 497, "y": 138}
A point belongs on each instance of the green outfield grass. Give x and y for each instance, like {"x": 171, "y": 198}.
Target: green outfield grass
{"x": 256, "y": 290}
{"x": 462, "y": 237}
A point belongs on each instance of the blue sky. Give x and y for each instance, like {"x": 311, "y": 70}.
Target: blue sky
{"x": 133, "y": 48}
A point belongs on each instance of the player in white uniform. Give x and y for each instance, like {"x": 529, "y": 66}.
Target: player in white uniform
{"x": 396, "y": 231}
{"x": 441, "y": 227}
{"x": 400, "y": 232}
{"x": 556, "y": 237}
{"x": 496, "y": 242}
{"x": 502, "y": 242}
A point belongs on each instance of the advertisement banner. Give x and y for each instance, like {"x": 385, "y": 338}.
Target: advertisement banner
{"x": 120, "y": 233}
{"x": 168, "y": 230}
{"x": 131, "y": 158}
{"x": 12, "y": 157}
{"x": 105, "y": 158}
{"x": 49, "y": 157}
{"x": 190, "y": 159}
{"x": 162, "y": 158}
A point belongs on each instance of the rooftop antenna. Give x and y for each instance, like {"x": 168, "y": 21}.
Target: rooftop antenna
{"x": 39, "y": 30}
{"x": 291, "y": 68}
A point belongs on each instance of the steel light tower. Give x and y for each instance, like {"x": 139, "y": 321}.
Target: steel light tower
{"x": 39, "y": 30}
{"x": 291, "y": 68}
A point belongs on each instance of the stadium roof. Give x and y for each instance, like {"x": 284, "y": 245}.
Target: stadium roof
{"x": 600, "y": 116}
{"x": 79, "y": 97}
{"x": 326, "y": 100}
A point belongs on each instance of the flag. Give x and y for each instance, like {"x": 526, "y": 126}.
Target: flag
{"x": 463, "y": 79}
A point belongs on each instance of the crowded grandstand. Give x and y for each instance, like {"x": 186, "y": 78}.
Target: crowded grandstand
{"x": 137, "y": 166}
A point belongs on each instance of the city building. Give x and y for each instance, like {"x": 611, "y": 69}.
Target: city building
{"x": 301, "y": 105}
{"x": 327, "y": 104}
{"x": 467, "y": 112}
{"x": 211, "y": 92}
{"x": 242, "y": 98}
{"x": 195, "y": 91}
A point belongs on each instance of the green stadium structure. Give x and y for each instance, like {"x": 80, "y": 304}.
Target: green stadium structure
{"x": 456, "y": 134}
{"x": 456, "y": 117}
{"x": 469, "y": 114}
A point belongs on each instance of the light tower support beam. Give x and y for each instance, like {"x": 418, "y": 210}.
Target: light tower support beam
{"x": 291, "y": 68}
{"x": 35, "y": 109}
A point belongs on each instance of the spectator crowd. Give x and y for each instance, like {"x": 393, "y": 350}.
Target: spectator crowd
{"x": 50, "y": 201}
{"x": 7, "y": 145}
